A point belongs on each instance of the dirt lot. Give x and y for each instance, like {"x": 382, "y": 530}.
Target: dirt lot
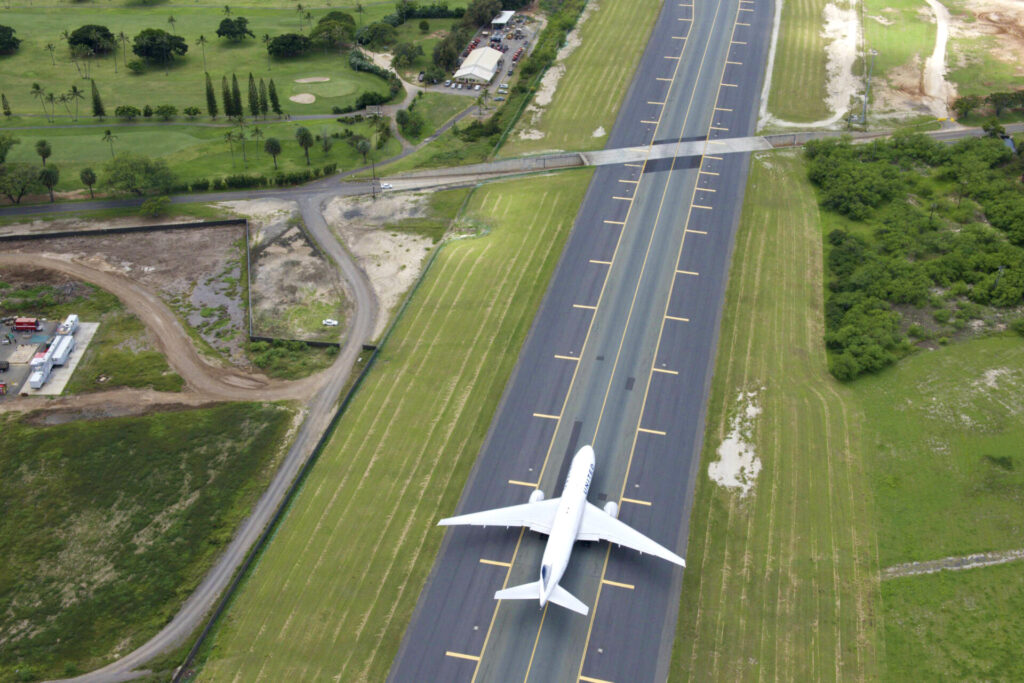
{"x": 391, "y": 259}
{"x": 293, "y": 286}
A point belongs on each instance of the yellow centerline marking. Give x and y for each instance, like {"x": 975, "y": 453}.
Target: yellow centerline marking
{"x": 629, "y": 462}
{"x": 634, "y": 501}
{"x": 645, "y": 430}
{"x": 586, "y": 306}
{"x": 708, "y": 156}
{"x": 533, "y": 652}
{"x": 546, "y": 416}
{"x": 701, "y": 206}
{"x": 527, "y": 484}
{"x": 588, "y": 679}
{"x": 561, "y": 357}
{"x": 659, "y": 78}
{"x": 722, "y": 109}
{"x": 705, "y": 189}
{"x": 618, "y": 584}
{"x": 653, "y": 123}
{"x": 697, "y": 232}
{"x": 687, "y": 272}
{"x": 600, "y": 263}
{"x": 706, "y": 173}
{"x": 719, "y": 128}
{"x": 664, "y": 371}
{"x": 459, "y": 655}
{"x": 676, "y": 317}
{"x": 496, "y": 563}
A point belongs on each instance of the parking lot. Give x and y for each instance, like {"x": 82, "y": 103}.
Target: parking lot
{"x": 515, "y": 43}
{"x": 18, "y": 348}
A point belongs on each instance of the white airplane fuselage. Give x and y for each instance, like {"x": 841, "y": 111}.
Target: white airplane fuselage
{"x": 567, "y": 521}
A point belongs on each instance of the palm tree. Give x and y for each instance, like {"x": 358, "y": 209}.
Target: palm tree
{"x": 272, "y": 147}
{"x": 266, "y": 41}
{"x": 229, "y": 138}
{"x": 75, "y": 93}
{"x": 240, "y": 136}
{"x": 201, "y": 41}
{"x": 64, "y": 99}
{"x": 359, "y": 9}
{"x": 171, "y": 20}
{"x": 108, "y": 136}
{"x": 44, "y": 150}
{"x": 51, "y": 99}
{"x": 257, "y": 135}
{"x": 124, "y": 46}
{"x": 52, "y": 48}
{"x": 305, "y": 140}
{"x": 40, "y": 94}
{"x": 309, "y": 18}
{"x": 227, "y": 10}
{"x": 363, "y": 147}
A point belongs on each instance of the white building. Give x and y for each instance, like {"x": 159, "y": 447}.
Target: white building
{"x": 499, "y": 22}
{"x": 480, "y": 66}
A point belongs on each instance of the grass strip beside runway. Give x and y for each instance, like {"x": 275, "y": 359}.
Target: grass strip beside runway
{"x": 780, "y": 583}
{"x": 918, "y": 462}
{"x": 331, "y": 596}
{"x": 799, "y": 75}
{"x": 596, "y": 76}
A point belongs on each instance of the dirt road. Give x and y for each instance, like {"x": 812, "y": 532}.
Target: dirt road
{"x": 206, "y": 380}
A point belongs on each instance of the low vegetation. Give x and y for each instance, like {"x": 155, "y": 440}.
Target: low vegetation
{"x": 401, "y": 453}
{"x": 798, "y": 76}
{"x": 917, "y": 462}
{"x": 107, "y": 525}
{"x": 287, "y": 359}
{"x": 925, "y": 241}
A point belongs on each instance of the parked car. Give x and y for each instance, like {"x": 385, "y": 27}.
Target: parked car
{"x": 448, "y": 83}
{"x": 387, "y": 186}
{"x": 421, "y": 77}
{"x": 476, "y": 87}
{"x": 499, "y": 99}
{"x": 329, "y": 322}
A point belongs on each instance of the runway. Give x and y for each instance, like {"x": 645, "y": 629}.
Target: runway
{"x": 619, "y": 356}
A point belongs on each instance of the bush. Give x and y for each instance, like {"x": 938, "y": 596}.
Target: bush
{"x": 155, "y": 206}
{"x": 330, "y": 168}
{"x": 136, "y": 66}
{"x": 289, "y": 45}
{"x": 147, "y": 111}
{"x": 201, "y": 185}
{"x": 192, "y": 112}
{"x": 127, "y": 112}
{"x": 166, "y": 112}
{"x": 218, "y": 184}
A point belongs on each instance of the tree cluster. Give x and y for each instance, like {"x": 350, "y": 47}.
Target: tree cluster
{"x": 159, "y": 46}
{"x": 97, "y": 39}
{"x": 996, "y": 103}
{"x": 288, "y": 45}
{"x": 8, "y": 43}
{"x": 935, "y": 227}
{"x": 234, "y": 29}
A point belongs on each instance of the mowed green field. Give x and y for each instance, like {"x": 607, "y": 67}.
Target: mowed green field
{"x": 192, "y": 151}
{"x": 919, "y": 462}
{"x": 780, "y": 583}
{"x": 332, "y": 594}
{"x": 183, "y": 83}
{"x": 799, "y": 76}
{"x": 596, "y": 77}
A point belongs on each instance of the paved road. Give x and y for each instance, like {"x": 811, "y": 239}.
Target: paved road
{"x": 620, "y": 356}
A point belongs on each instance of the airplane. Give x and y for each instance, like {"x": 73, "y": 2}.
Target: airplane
{"x": 565, "y": 520}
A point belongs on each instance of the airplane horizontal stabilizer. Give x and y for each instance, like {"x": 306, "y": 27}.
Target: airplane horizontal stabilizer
{"x": 527, "y": 591}
{"x": 562, "y": 597}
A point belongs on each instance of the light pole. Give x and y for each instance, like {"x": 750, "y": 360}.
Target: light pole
{"x": 867, "y": 89}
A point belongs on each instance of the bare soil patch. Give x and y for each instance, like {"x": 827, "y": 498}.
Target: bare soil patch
{"x": 391, "y": 259}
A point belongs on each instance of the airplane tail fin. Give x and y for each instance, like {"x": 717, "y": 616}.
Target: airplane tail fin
{"x": 562, "y": 597}
{"x": 527, "y": 591}
{"x": 531, "y": 591}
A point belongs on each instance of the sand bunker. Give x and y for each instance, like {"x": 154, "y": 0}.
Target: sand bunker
{"x": 313, "y": 79}
{"x": 738, "y": 466}
{"x": 598, "y": 132}
{"x": 303, "y": 98}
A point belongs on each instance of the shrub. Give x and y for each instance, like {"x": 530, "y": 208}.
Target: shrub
{"x": 166, "y": 112}
{"x": 201, "y": 185}
{"x": 147, "y": 111}
{"x": 218, "y": 184}
{"x": 136, "y": 66}
{"x": 155, "y": 206}
{"x": 192, "y": 112}
{"x": 289, "y": 45}
{"x": 330, "y": 168}
{"x": 127, "y": 112}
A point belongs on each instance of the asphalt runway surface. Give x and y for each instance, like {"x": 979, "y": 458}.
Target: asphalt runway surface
{"x": 619, "y": 356}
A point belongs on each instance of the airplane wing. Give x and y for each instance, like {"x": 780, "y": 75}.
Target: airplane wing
{"x": 538, "y": 516}
{"x": 598, "y": 525}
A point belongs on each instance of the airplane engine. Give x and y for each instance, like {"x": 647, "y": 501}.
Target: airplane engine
{"x": 612, "y": 509}
{"x": 537, "y": 496}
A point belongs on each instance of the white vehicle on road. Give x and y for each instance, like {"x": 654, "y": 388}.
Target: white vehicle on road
{"x": 329, "y": 322}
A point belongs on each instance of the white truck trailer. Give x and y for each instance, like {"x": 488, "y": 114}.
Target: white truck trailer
{"x": 70, "y": 325}
{"x": 62, "y": 347}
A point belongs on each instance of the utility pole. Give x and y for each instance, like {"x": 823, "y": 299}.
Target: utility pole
{"x": 867, "y": 89}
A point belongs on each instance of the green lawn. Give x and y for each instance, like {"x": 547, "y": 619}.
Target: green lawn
{"x": 906, "y": 40}
{"x": 596, "y": 77}
{"x": 956, "y": 626}
{"x": 437, "y": 108}
{"x": 798, "y": 76}
{"x": 918, "y": 462}
{"x": 183, "y": 83}
{"x": 332, "y": 594}
{"x": 780, "y": 583}
{"x": 106, "y": 526}
{"x": 193, "y": 152}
